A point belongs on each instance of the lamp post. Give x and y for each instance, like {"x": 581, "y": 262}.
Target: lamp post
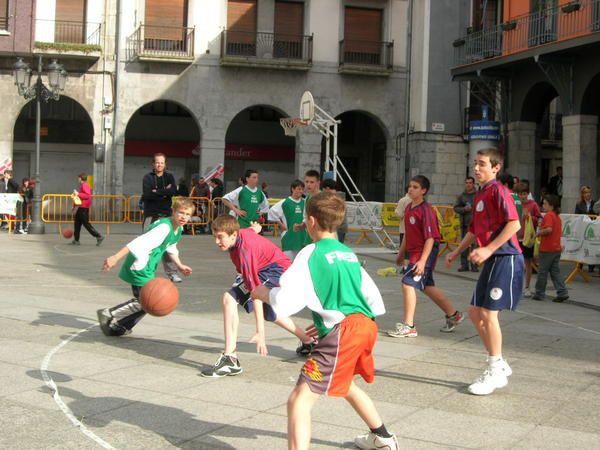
{"x": 57, "y": 77}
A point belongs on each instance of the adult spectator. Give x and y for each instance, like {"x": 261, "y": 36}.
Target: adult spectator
{"x": 264, "y": 186}
{"x": 182, "y": 188}
{"x": 400, "y": 210}
{"x": 464, "y": 208}
{"x": 555, "y": 185}
{"x": 26, "y": 194}
{"x": 247, "y": 201}
{"x": 586, "y": 205}
{"x": 217, "y": 188}
{"x": 200, "y": 189}
{"x": 10, "y": 186}
{"x": 82, "y": 211}
{"x": 158, "y": 189}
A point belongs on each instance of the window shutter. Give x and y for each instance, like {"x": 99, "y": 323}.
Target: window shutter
{"x": 70, "y": 21}
{"x": 165, "y": 19}
{"x": 289, "y": 20}
{"x": 362, "y": 32}
{"x": 241, "y": 23}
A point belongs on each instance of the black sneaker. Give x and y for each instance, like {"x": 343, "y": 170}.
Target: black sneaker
{"x": 99, "y": 241}
{"x": 225, "y": 366}
{"x": 305, "y": 349}
{"x": 560, "y": 298}
{"x": 74, "y": 242}
{"x": 110, "y": 329}
{"x": 539, "y": 298}
{"x": 463, "y": 269}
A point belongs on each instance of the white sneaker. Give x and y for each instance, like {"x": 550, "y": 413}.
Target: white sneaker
{"x": 371, "y": 441}
{"x": 503, "y": 366}
{"x": 528, "y": 293}
{"x": 492, "y": 379}
{"x": 175, "y": 278}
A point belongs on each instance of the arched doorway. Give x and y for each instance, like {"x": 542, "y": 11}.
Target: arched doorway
{"x": 66, "y": 144}
{"x": 542, "y": 105}
{"x": 255, "y": 140}
{"x": 362, "y": 150}
{"x": 165, "y": 127}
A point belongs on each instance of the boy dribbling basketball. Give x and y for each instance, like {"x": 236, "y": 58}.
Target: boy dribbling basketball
{"x": 142, "y": 256}
{"x": 327, "y": 278}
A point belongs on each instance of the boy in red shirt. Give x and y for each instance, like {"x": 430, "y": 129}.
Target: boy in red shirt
{"x": 550, "y": 231}
{"x": 421, "y": 240}
{"x": 495, "y": 224}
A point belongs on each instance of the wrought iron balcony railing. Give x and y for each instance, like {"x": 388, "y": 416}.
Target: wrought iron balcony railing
{"x": 67, "y": 32}
{"x": 265, "y": 48}
{"x": 551, "y": 127}
{"x": 150, "y": 41}
{"x": 558, "y": 23}
{"x": 367, "y": 54}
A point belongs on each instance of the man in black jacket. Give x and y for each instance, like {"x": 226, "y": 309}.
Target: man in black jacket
{"x": 158, "y": 188}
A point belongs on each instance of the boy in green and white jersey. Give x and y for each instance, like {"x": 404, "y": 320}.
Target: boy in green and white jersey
{"x": 287, "y": 213}
{"x": 142, "y": 255}
{"x": 327, "y": 278}
{"x": 247, "y": 201}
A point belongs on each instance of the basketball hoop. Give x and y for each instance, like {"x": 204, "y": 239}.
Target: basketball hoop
{"x": 291, "y": 124}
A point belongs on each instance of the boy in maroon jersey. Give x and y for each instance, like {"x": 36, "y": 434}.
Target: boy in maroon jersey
{"x": 421, "y": 240}
{"x": 495, "y": 224}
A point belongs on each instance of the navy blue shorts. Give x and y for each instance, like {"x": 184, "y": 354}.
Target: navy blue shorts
{"x": 242, "y": 296}
{"x": 500, "y": 283}
{"x": 420, "y": 282}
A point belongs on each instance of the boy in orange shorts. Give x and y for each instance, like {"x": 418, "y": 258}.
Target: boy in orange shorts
{"x": 327, "y": 277}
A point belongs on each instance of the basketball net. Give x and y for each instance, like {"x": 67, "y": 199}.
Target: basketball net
{"x": 290, "y": 125}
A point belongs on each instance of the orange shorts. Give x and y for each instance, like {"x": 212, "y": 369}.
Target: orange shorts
{"x": 346, "y": 351}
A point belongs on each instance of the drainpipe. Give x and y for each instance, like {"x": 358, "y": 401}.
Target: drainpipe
{"x": 404, "y": 156}
{"x": 115, "y": 128}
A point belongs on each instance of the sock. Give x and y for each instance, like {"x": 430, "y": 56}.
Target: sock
{"x": 494, "y": 360}
{"x": 453, "y": 315}
{"x": 381, "y": 431}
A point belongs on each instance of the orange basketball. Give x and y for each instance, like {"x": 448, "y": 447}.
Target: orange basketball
{"x": 67, "y": 233}
{"x": 159, "y": 297}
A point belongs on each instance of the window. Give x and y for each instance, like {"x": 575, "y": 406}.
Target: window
{"x": 241, "y": 27}
{"x": 485, "y": 14}
{"x": 70, "y": 21}
{"x": 362, "y": 35}
{"x": 164, "y": 25}
{"x": 3, "y": 14}
{"x": 289, "y": 29}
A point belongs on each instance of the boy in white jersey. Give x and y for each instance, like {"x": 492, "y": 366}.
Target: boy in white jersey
{"x": 327, "y": 278}
{"x": 287, "y": 213}
{"x": 247, "y": 201}
{"x": 142, "y": 255}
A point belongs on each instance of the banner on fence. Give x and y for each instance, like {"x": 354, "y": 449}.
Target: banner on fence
{"x": 449, "y": 223}
{"x": 388, "y": 215}
{"x": 580, "y": 238}
{"x": 8, "y": 203}
{"x": 363, "y": 215}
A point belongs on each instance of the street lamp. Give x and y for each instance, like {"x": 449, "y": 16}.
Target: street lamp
{"x": 57, "y": 77}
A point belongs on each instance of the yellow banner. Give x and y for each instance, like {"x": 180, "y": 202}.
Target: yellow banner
{"x": 388, "y": 215}
{"x": 449, "y": 223}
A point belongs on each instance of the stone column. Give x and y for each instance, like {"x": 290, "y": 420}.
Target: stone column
{"x": 308, "y": 151}
{"x": 394, "y": 188}
{"x": 580, "y": 153}
{"x": 521, "y": 159}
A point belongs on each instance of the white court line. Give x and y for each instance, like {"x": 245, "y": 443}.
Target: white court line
{"x": 558, "y": 321}
{"x": 65, "y": 252}
{"x": 59, "y": 401}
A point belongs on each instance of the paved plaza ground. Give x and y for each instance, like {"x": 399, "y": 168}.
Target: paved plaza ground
{"x": 64, "y": 385}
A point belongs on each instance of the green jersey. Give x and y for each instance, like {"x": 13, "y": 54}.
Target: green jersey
{"x": 146, "y": 251}
{"x": 290, "y": 212}
{"x": 518, "y": 204}
{"x": 327, "y": 278}
{"x": 251, "y": 201}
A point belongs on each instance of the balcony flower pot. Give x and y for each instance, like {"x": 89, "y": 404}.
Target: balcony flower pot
{"x": 571, "y": 7}
{"x": 509, "y": 26}
{"x": 458, "y": 42}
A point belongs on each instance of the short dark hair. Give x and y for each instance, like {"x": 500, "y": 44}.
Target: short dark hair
{"x": 328, "y": 209}
{"x": 507, "y": 180}
{"x": 83, "y": 176}
{"x": 522, "y": 187}
{"x": 313, "y": 173}
{"x": 470, "y": 178}
{"x": 249, "y": 173}
{"x": 554, "y": 201}
{"x": 422, "y": 181}
{"x": 495, "y": 155}
{"x": 329, "y": 183}
{"x": 296, "y": 183}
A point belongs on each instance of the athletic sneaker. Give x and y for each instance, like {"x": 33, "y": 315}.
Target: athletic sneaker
{"x": 305, "y": 349}
{"x": 560, "y": 298}
{"x": 371, "y": 441}
{"x": 527, "y": 293}
{"x": 452, "y": 322}
{"x": 74, "y": 242}
{"x": 175, "y": 278}
{"x": 492, "y": 379}
{"x": 502, "y": 365}
{"x": 403, "y": 330}
{"x": 110, "y": 329}
{"x": 99, "y": 241}
{"x": 225, "y": 365}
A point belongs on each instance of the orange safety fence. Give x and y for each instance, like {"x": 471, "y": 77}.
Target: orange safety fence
{"x": 135, "y": 214}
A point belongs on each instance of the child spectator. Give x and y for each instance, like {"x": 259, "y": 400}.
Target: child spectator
{"x": 142, "y": 257}
{"x": 550, "y": 232}
{"x": 421, "y": 240}
{"x": 248, "y": 200}
{"x": 327, "y": 278}
{"x": 531, "y": 211}
{"x": 257, "y": 261}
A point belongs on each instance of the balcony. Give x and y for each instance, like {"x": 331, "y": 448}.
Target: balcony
{"x": 366, "y": 58}
{"x": 550, "y": 128}
{"x": 167, "y": 44}
{"x": 61, "y": 37}
{"x": 560, "y": 24}
{"x": 267, "y": 50}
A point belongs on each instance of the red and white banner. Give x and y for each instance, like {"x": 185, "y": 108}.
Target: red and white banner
{"x": 214, "y": 172}
{"x": 5, "y": 165}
